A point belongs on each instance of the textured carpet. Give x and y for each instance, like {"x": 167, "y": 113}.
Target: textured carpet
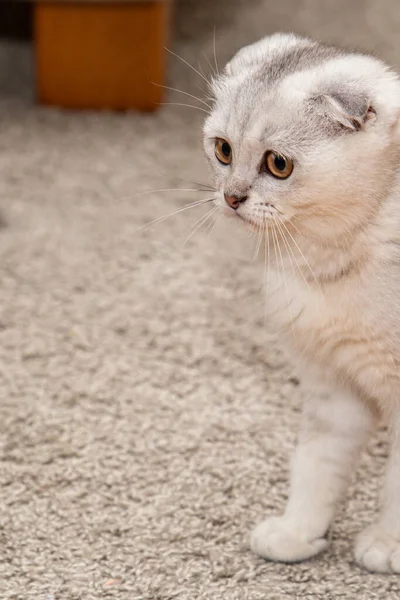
{"x": 147, "y": 414}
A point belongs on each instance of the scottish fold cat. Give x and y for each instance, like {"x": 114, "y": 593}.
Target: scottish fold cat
{"x": 304, "y": 145}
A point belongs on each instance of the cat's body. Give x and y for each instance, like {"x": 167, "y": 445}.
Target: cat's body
{"x": 304, "y": 142}
{"x": 347, "y": 322}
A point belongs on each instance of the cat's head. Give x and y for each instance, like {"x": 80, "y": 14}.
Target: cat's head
{"x": 305, "y": 134}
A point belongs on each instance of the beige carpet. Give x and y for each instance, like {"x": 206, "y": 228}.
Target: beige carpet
{"x": 146, "y": 413}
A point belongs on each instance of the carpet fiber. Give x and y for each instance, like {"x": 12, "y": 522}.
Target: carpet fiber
{"x": 147, "y": 413}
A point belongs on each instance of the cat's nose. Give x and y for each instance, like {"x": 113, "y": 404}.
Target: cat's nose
{"x": 234, "y": 201}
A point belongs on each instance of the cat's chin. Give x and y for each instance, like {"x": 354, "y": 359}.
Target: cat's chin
{"x": 250, "y": 224}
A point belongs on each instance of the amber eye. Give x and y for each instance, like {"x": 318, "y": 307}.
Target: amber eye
{"x": 223, "y": 151}
{"x": 278, "y": 165}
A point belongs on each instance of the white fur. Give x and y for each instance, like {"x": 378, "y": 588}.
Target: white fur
{"x": 333, "y": 229}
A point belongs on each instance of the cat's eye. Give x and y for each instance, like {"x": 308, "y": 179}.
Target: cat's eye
{"x": 223, "y": 151}
{"x": 278, "y": 165}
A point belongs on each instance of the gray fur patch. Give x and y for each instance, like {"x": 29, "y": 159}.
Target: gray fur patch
{"x": 345, "y": 107}
{"x": 294, "y": 60}
{"x": 275, "y": 67}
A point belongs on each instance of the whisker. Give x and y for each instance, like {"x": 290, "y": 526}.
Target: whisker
{"x": 280, "y": 224}
{"x": 251, "y": 231}
{"x": 214, "y": 226}
{"x": 275, "y": 251}
{"x": 202, "y": 72}
{"x": 215, "y": 56}
{"x": 306, "y": 262}
{"x": 182, "y": 104}
{"x": 285, "y": 281}
{"x": 266, "y": 268}
{"x": 145, "y": 192}
{"x": 199, "y": 224}
{"x": 172, "y": 89}
{"x": 286, "y": 243}
{"x": 281, "y": 258}
{"x": 301, "y": 253}
{"x": 258, "y": 245}
{"x": 183, "y": 208}
{"x": 205, "y": 185}
{"x": 284, "y": 226}
{"x": 213, "y": 71}
{"x": 188, "y": 64}
{"x": 254, "y": 237}
{"x": 211, "y": 228}
{"x": 293, "y": 262}
{"x": 259, "y": 237}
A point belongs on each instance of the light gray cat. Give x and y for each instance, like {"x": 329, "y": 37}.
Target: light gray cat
{"x": 304, "y": 144}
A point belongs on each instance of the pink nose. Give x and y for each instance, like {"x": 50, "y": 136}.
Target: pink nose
{"x": 234, "y": 201}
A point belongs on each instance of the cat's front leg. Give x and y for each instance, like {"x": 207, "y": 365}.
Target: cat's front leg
{"x": 378, "y": 547}
{"x": 334, "y": 429}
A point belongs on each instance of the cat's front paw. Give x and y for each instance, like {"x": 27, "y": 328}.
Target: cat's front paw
{"x": 277, "y": 539}
{"x": 377, "y": 551}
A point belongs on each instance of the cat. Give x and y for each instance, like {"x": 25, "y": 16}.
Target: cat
{"x": 303, "y": 141}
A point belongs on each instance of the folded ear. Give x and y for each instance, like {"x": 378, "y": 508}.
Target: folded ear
{"x": 346, "y": 107}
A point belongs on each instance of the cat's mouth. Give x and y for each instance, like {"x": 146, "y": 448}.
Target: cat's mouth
{"x": 255, "y": 213}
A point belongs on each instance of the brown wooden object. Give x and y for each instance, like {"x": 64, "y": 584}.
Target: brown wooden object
{"x": 101, "y": 55}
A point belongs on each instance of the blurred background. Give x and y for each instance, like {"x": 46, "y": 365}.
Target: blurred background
{"x": 147, "y": 411}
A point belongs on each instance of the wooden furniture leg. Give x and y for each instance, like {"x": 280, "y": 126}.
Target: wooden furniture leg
{"x": 101, "y": 54}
